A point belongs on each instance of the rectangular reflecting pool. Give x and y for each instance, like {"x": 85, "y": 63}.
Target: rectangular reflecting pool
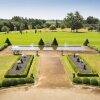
{"x": 71, "y": 48}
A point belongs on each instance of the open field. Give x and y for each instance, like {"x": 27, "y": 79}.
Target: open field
{"x": 63, "y": 38}
{"x": 5, "y": 64}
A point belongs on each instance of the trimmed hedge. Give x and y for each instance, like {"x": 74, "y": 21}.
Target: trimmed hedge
{"x": 0, "y": 85}
{"x": 86, "y": 81}
{"x": 14, "y": 82}
{"x": 77, "y": 80}
{"x": 24, "y": 74}
{"x": 99, "y": 83}
{"x": 2, "y": 47}
{"x": 94, "y": 82}
{"x": 87, "y": 75}
{"x": 94, "y": 74}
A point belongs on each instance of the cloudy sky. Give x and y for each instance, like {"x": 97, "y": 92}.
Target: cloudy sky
{"x": 48, "y": 9}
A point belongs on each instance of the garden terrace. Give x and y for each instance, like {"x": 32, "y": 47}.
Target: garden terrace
{"x": 80, "y": 66}
{"x": 20, "y": 68}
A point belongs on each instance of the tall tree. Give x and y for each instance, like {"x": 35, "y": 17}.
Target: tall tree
{"x": 74, "y": 21}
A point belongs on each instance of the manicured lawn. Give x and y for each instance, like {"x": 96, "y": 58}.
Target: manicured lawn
{"x": 5, "y": 63}
{"x": 67, "y": 66}
{"x": 93, "y": 60}
{"x": 62, "y": 37}
{"x": 34, "y": 67}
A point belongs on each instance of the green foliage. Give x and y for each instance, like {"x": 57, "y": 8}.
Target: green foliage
{"x": 86, "y": 42}
{"x": 74, "y": 21}
{"x": 21, "y": 81}
{"x": 92, "y": 20}
{"x": 2, "y": 47}
{"x": 5, "y": 29}
{"x": 22, "y": 75}
{"x": 29, "y": 80}
{"x": 87, "y": 74}
{"x": 77, "y": 80}
{"x": 99, "y": 83}
{"x": 55, "y": 43}
{"x": 86, "y": 81}
{"x": 8, "y": 41}
{"x": 41, "y": 42}
{"x": 6, "y": 83}
{"x": 62, "y": 26}
{"x": 0, "y": 85}
{"x": 94, "y": 82}
{"x": 52, "y": 27}
{"x": 13, "y": 82}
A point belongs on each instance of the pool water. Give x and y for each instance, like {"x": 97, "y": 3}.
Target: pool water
{"x": 73, "y": 48}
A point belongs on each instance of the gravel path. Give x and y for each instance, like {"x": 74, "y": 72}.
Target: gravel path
{"x": 52, "y": 73}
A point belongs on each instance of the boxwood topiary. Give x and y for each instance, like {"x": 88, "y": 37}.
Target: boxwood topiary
{"x": 94, "y": 82}
{"x": 21, "y": 81}
{"x": 86, "y": 81}
{"x": 29, "y": 80}
{"x": 77, "y": 80}
{"x": 98, "y": 82}
{"x": 0, "y": 85}
{"x": 6, "y": 83}
{"x": 13, "y": 82}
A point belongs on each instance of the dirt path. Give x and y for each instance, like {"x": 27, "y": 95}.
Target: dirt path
{"x": 52, "y": 73}
{"x": 52, "y": 84}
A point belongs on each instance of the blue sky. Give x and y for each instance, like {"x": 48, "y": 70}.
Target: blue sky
{"x": 48, "y": 9}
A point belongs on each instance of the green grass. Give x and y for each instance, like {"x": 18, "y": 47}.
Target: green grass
{"x": 67, "y": 38}
{"x": 34, "y": 67}
{"x": 67, "y": 66}
{"x": 5, "y": 63}
{"x": 93, "y": 60}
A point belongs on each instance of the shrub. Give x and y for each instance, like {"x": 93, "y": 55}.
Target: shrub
{"x": 55, "y": 42}
{"x": 86, "y": 42}
{"x": 86, "y": 81}
{"x": 87, "y": 74}
{"x": 29, "y": 80}
{"x": 52, "y": 27}
{"x": 99, "y": 83}
{"x": 13, "y": 82}
{"x": 6, "y": 83}
{"x": 41, "y": 42}
{"x": 21, "y": 81}
{"x": 3, "y": 46}
{"x": 0, "y": 85}
{"x": 21, "y": 75}
{"x": 8, "y": 41}
{"x": 77, "y": 80}
{"x": 94, "y": 82}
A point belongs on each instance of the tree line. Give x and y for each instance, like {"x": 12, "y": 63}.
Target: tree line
{"x": 75, "y": 21}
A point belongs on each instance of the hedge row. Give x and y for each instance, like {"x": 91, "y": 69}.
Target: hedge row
{"x": 2, "y": 47}
{"x": 87, "y": 74}
{"x": 87, "y": 81}
{"x": 22, "y": 75}
{"x": 14, "y": 82}
{"x": 77, "y": 70}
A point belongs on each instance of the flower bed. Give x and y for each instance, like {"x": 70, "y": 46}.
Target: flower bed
{"x": 20, "y": 68}
{"x": 81, "y": 68}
